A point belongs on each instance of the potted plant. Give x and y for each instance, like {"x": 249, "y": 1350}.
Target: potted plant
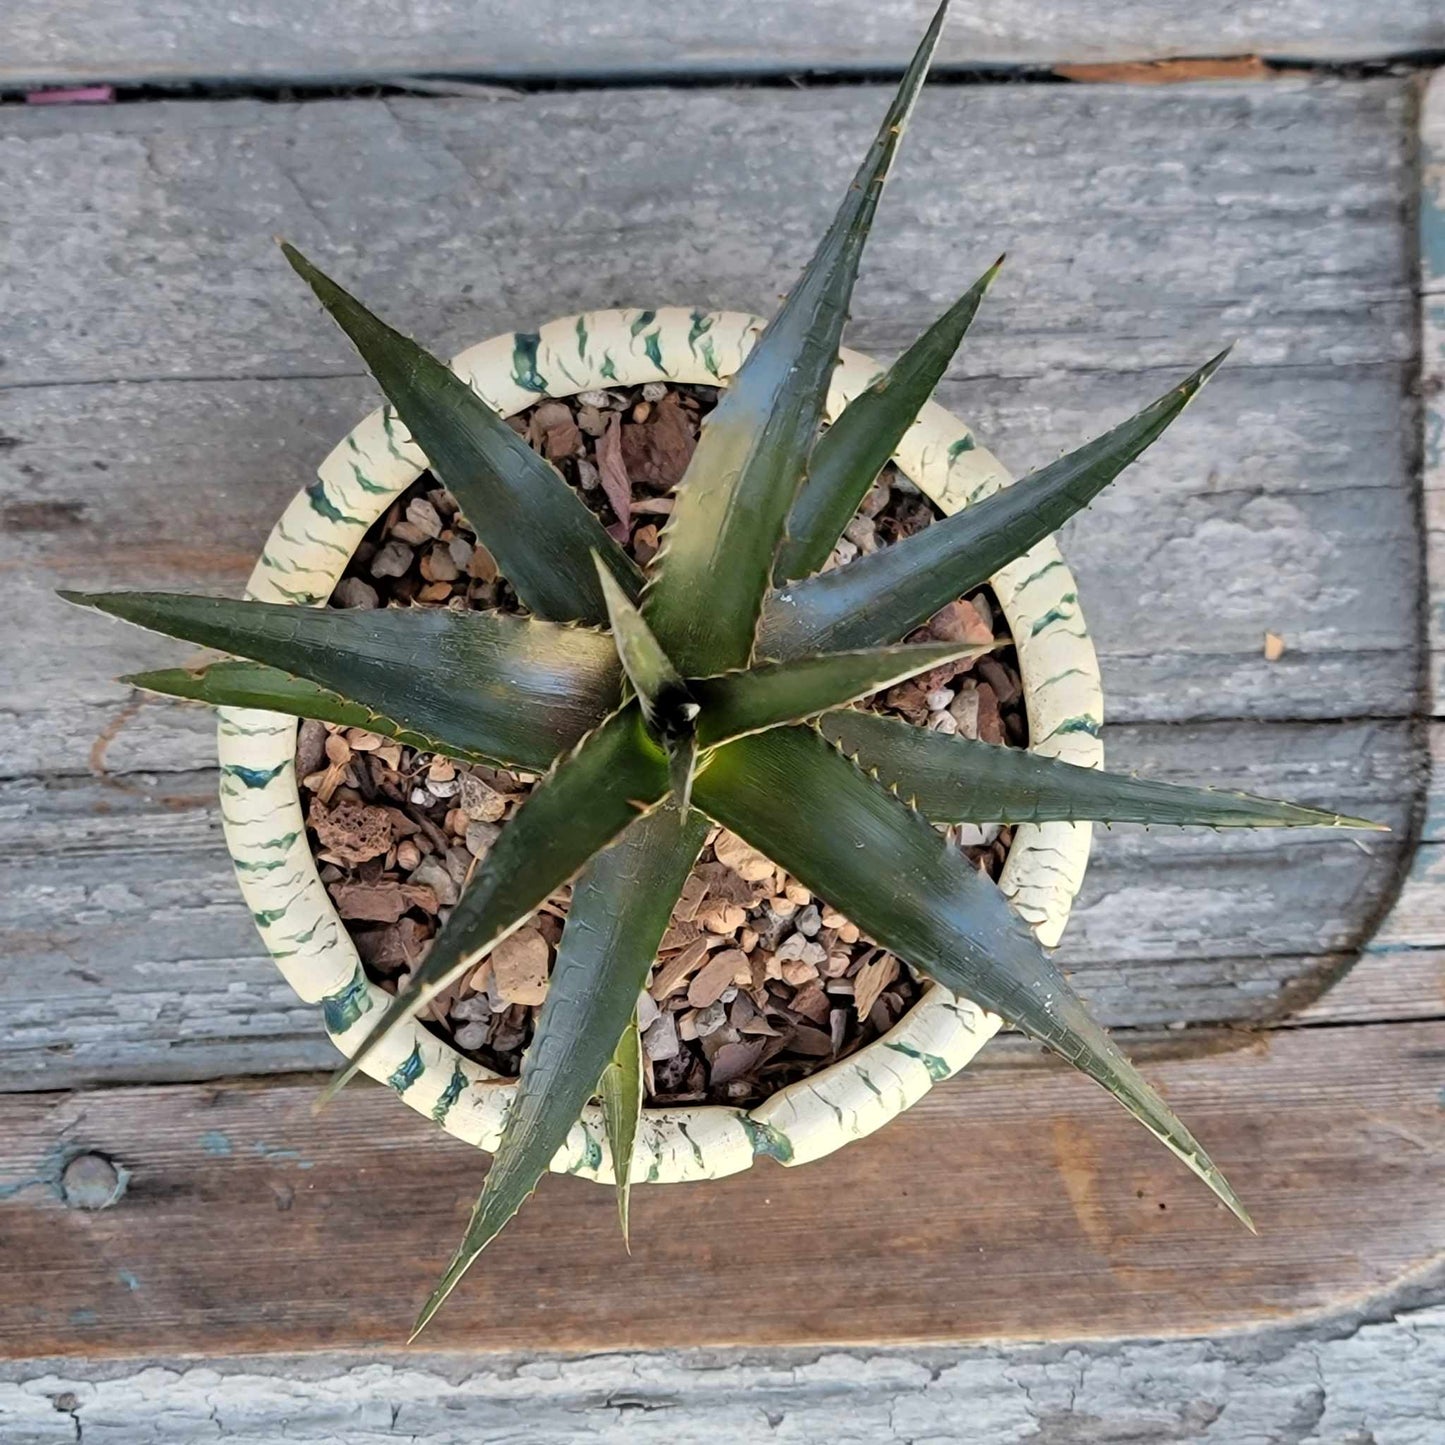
{"x": 638, "y": 705}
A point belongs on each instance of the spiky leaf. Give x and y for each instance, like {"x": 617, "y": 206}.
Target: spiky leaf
{"x": 883, "y": 596}
{"x": 616, "y": 773}
{"x": 791, "y": 795}
{"x": 956, "y": 780}
{"x": 772, "y": 693}
{"x": 508, "y": 688}
{"x": 527, "y": 517}
{"x": 253, "y": 684}
{"x": 722, "y": 537}
{"x": 851, "y": 453}
{"x": 619, "y": 912}
{"x": 620, "y": 1092}
{"x": 660, "y": 689}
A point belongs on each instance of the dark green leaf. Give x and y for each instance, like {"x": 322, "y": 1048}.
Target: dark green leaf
{"x": 526, "y": 516}
{"x": 720, "y": 542}
{"x": 615, "y": 774}
{"x": 621, "y": 1094}
{"x": 883, "y": 596}
{"x": 956, "y": 780}
{"x": 794, "y": 797}
{"x": 851, "y": 453}
{"x": 660, "y": 689}
{"x": 253, "y": 684}
{"x": 773, "y": 693}
{"x": 619, "y": 911}
{"x": 509, "y": 688}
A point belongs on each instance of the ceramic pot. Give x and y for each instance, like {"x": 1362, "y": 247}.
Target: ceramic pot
{"x": 266, "y": 835}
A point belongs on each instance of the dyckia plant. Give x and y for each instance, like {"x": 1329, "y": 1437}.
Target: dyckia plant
{"x": 713, "y": 687}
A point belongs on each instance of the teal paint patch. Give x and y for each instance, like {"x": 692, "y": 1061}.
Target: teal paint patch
{"x": 83, "y": 1317}
{"x": 524, "y": 361}
{"x": 582, "y": 338}
{"x": 652, "y": 345}
{"x": 340, "y": 1010}
{"x": 323, "y": 506}
{"x": 216, "y": 1144}
{"x": 767, "y": 1140}
{"x": 938, "y": 1069}
{"x": 642, "y": 321}
{"x": 1083, "y": 724}
{"x": 450, "y": 1094}
{"x": 591, "y": 1154}
{"x": 255, "y": 777}
{"x": 1432, "y": 216}
{"x": 963, "y": 444}
{"x": 408, "y": 1072}
{"x": 128, "y": 1280}
{"x": 263, "y": 1150}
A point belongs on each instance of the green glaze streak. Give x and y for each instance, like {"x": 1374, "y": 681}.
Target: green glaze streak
{"x": 963, "y": 444}
{"x": 766, "y": 1140}
{"x": 1042, "y": 572}
{"x": 608, "y": 369}
{"x": 709, "y": 358}
{"x": 449, "y": 1095}
{"x": 702, "y": 323}
{"x": 341, "y": 1010}
{"x": 367, "y": 485}
{"x": 388, "y": 426}
{"x": 284, "y": 841}
{"x": 1060, "y": 676}
{"x": 642, "y": 321}
{"x": 407, "y": 1073}
{"x": 323, "y": 506}
{"x": 1060, "y": 612}
{"x": 866, "y": 1080}
{"x": 650, "y": 344}
{"x": 244, "y": 865}
{"x": 524, "y": 361}
{"x": 938, "y": 1069}
{"x": 582, "y": 338}
{"x": 692, "y": 1144}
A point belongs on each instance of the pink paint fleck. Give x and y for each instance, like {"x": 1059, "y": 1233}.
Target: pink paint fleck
{"x": 76, "y": 95}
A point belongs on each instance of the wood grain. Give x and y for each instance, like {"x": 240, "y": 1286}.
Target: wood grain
{"x": 168, "y": 347}
{"x": 1369, "y": 1372}
{"x": 56, "y": 41}
{"x": 131, "y": 956}
{"x": 250, "y": 1224}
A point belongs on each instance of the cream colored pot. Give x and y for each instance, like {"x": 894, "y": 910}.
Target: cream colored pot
{"x": 302, "y": 561}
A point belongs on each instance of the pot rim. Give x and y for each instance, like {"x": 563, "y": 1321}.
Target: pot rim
{"x": 265, "y": 833}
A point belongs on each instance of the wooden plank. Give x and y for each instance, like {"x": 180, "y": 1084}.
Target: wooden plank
{"x": 1145, "y": 226}
{"x": 66, "y": 41}
{"x": 1367, "y": 1374}
{"x": 131, "y": 956}
{"x": 1432, "y": 372}
{"x": 251, "y": 1224}
{"x": 1283, "y": 501}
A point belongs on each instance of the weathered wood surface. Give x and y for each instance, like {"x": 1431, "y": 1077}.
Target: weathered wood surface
{"x": 130, "y": 955}
{"x": 1144, "y": 228}
{"x": 54, "y": 41}
{"x": 1082, "y": 1227}
{"x": 1370, "y": 1375}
